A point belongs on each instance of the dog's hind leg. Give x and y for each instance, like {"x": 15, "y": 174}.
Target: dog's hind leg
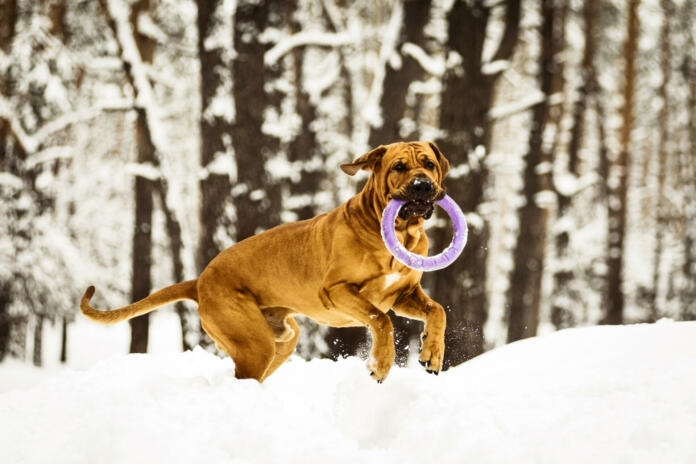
{"x": 285, "y": 348}
{"x": 238, "y": 327}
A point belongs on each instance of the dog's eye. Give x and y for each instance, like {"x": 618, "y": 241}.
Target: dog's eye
{"x": 429, "y": 165}
{"x": 399, "y": 167}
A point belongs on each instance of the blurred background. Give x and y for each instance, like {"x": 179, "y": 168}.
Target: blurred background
{"x": 139, "y": 138}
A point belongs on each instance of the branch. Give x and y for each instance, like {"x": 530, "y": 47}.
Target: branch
{"x": 433, "y": 66}
{"x": 505, "y": 111}
{"x": 320, "y": 39}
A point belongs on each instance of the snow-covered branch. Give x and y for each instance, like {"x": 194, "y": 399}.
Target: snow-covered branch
{"x": 494, "y": 67}
{"x": 431, "y": 65}
{"x": 10, "y": 180}
{"x": 31, "y": 144}
{"x": 510, "y": 109}
{"x": 146, "y": 170}
{"x": 316, "y": 38}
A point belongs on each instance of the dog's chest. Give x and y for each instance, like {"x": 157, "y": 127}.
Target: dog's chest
{"x": 391, "y": 279}
{"x": 385, "y": 290}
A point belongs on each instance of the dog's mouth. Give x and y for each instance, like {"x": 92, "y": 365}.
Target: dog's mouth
{"x": 420, "y": 208}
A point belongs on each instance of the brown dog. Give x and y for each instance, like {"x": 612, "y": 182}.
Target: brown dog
{"x": 333, "y": 268}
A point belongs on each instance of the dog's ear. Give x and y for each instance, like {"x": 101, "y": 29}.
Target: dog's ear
{"x": 366, "y": 161}
{"x": 444, "y": 164}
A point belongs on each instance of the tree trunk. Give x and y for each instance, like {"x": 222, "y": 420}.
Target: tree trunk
{"x": 8, "y": 23}
{"x": 465, "y": 102}
{"x": 5, "y": 322}
{"x": 64, "y": 340}
{"x": 256, "y": 195}
{"x": 8, "y": 20}
{"x": 303, "y": 149}
{"x": 689, "y": 176}
{"x": 561, "y": 314}
{"x": 37, "y": 357}
{"x": 141, "y": 283}
{"x": 524, "y": 294}
{"x": 663, "y": 141}
{"x": 215, "y": 128}
{"x": 394, "y": 106}
{"x": 619, "y": 171}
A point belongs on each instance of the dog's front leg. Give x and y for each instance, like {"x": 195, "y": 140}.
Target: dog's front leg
{"x": 418, "y": 305}
{"x": 344, "y": 297}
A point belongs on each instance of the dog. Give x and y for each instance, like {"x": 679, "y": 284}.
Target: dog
{"x": 334, "y": 269}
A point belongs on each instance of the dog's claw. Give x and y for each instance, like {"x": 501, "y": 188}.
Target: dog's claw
{"x": 424, "y": 363}
{"x": 432, "y": 372}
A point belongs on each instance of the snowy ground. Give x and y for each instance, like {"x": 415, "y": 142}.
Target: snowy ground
{"x": 595, "y": 395}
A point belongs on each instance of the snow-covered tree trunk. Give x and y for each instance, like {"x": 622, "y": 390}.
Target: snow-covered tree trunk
{"x": 136, "y": 50}
{"x": 217, "y": 113}
{"x": 564, "y": 273}
{"x": 618, "y": 176}
{"x": 303, "y": 151}
{"x": 663, "y": 143}
{"x": 394, "y": 106}
{"x": 399, "y": 76}
{"x": 8, "y": 19}
{"x": 524, "y": 294}
{"x": 256, "y": 196}
{"x": 689, "y": 175}
{"x": 466, "y": 99}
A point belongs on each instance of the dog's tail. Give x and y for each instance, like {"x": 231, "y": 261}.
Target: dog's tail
{"x": 181, "y": 291}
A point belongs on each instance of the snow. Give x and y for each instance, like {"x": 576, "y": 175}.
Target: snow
{"x": 601, "y": 394}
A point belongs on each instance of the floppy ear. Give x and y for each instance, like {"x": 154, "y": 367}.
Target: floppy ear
{"x": 366, "y": 161}
{"x": 444, "y": 164}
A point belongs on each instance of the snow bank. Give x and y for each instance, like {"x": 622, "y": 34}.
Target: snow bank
{"x": 600, "y": 395}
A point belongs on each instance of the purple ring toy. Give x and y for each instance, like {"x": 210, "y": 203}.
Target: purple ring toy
{"x": 418, "y": 262}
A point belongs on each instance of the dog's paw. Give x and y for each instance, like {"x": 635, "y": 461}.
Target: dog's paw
{"x": 432, "y": 353}
{"x": 379, "y": 368}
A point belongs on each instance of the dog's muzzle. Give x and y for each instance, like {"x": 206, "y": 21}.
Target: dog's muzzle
{"x": 419, "y": 195}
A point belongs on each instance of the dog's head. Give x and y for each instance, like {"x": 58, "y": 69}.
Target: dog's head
{"x": 412, "y": 172}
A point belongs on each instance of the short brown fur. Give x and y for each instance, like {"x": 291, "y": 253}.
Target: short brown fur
{"x": 333, "y": 268}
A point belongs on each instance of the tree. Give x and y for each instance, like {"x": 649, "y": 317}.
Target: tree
{"x": 217, "y": 108}
{"x": 135, "y": 49}
{"x": 689, "y": 175}
{"x": 256, "y": 196}
{"x": 661, "y": 212}
{"x": 466, "y": 129}
{"x": 524, "y": 295}
{"x": 564, "y": 274}
{"x": 619, "y": 171}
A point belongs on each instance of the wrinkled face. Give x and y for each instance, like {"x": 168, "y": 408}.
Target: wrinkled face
{"x": 411, "y": 172}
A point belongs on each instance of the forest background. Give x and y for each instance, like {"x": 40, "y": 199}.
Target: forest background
{"x": 139, "y": 138}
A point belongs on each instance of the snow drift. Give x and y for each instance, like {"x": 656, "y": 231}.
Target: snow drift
{"x": 602, "y": 394}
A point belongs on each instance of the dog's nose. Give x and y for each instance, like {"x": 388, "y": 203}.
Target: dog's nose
{"x": 421, "y": 187}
